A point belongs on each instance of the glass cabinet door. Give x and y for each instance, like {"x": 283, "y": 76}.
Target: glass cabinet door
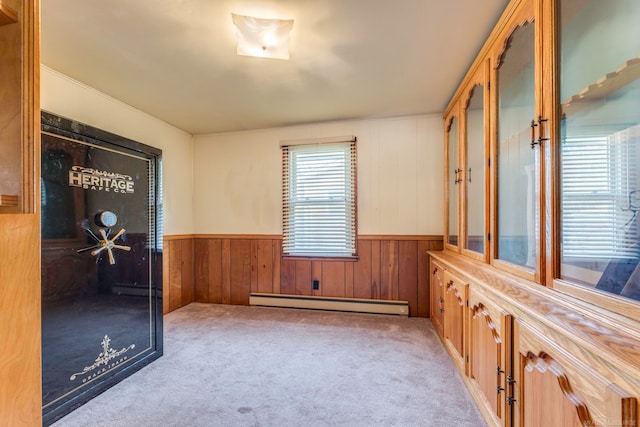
{"x": 475, "y": 172}
{"x": 517, "y": 173}
{"x": 454, "y": 174}
{"x": 600, "y": 145}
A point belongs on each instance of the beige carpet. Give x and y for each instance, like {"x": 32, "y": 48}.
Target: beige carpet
{"x": 250, "y": 366}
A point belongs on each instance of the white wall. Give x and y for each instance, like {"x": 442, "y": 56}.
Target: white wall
{"x": 230, "y": 183}
{"x": 237, "y": 176}
{"x": 68, "y": 98}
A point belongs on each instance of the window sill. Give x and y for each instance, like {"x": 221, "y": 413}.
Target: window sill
{"x": 321, "y": 258}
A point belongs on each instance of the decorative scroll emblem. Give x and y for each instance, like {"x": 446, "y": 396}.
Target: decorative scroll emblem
{"x": 93, "y": 179}
{"x": 106, "y": 360}
{"x": 105, "y": 244}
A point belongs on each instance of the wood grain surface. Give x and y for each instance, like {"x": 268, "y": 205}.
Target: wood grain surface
{"x": 20, "y": 291}
{"x": 384, "y": 269}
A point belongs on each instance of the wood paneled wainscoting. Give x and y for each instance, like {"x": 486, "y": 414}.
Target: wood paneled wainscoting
{"x": 225, "y": 269}
{"x": 177, "y": 272}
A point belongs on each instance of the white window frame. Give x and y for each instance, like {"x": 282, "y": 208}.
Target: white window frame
{"x": 319, "y": 198}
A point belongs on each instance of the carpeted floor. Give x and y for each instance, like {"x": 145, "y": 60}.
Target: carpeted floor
{"x": 250, "y": 366}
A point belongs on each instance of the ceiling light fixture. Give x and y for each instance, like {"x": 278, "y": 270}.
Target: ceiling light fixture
{"x": 262, "y": 38}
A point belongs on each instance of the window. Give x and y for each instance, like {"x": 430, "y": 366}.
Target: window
{"x": 600, "y": 206}
{"x": 599, "y": 196}
{"x": 319, "y": 198}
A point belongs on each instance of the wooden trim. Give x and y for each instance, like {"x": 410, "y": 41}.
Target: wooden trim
{"x": 487, "y": 153}
{"x": 7, "y": 15}
{"x": 523, "y": 15}
{"x": 551, "y": 156}
{"x": 177, "y": 237}
{"x": 399, "y": 237}
{"x": 539, "y": 162}
{"x": 455, "y": 114}
{"x": 418, "y": 237}
{"x": 31, "y": 115}
{"x": 492, "y": 170}
{"x": 239, "y": 236}
{"x": 8, "y": 201}
{"x": 448, "y": 122}
{"x": 462, "y": 165}
{"x": 473, "y": 254}
{"x": 484, "y": 52}
{"x": 517, "y": 270}
{"x": 607, "y": 301}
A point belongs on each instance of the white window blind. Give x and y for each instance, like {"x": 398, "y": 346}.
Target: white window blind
{"x": 319, "y": 199}
{"x": 599, "y": 178}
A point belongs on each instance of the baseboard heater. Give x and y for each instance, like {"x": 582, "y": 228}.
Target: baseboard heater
{"x": 400, "y": 308}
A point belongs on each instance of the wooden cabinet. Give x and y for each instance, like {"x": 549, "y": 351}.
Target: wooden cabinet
{"x": 437, "y": 297}
{"x": 489, "y": 370}
{"x": 555, "y": 389}
{"x": 20, "y": 361}
{"x": 530, "y": 358}
{"x": 18, "y": 52}
{"x": 455, "y": 299}
{"x": 552, "y": 194}
{"x": 489, "y": 122}
{"x": 541, "y": 261}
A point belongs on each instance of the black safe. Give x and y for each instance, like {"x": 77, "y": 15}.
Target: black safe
{"x": 101, "y": 261}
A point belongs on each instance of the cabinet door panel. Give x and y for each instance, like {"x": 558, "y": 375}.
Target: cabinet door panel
{"x": 517, "y": 159}
{"x": 599, "y": 147}
{"x": 453, "y": 180}
{"x": 437, "y": 297}
{"x": 489, "y": 352}
{"x": 485, "y": 355}
{"x": 455, "y": 292}
{"x": 475, "y": 184}
{"x": 556, "y": 389}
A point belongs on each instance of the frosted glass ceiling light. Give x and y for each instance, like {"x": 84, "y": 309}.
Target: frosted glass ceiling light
{"x": 262, "y": 38}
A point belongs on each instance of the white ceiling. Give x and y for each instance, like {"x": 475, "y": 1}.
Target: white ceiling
{"x": 350, "y": 59}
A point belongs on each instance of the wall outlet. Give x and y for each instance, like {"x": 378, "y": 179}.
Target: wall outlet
{"x": 316, "y": 285}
